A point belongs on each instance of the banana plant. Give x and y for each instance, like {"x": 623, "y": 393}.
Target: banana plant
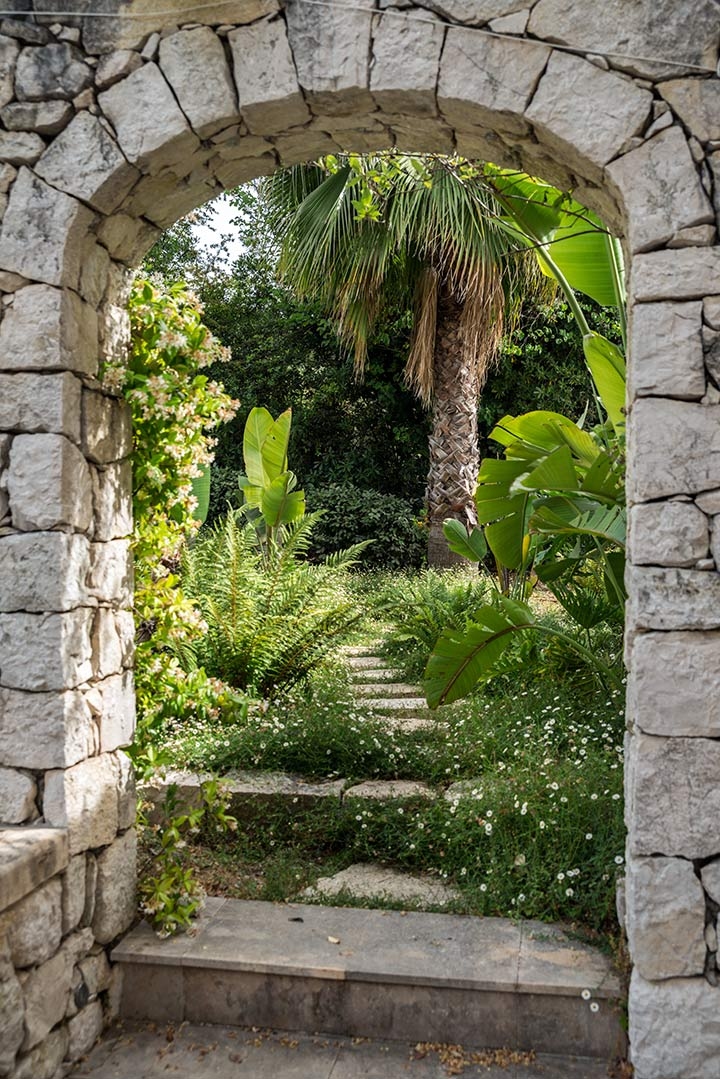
{"x": 269, "y": 489}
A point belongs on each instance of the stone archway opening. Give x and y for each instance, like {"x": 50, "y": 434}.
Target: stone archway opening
{"x": 118, "y": 127}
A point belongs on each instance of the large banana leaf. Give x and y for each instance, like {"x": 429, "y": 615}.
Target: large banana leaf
{"x": 470, "y": 545}
{"x": 567, "y": 516}
{"x": 265, "y": 445}
{"x": 201, "y": 491}
{"x": 280, "y": 503}
{"x": 607, "y": 367}
{"x": 462, "y": 658}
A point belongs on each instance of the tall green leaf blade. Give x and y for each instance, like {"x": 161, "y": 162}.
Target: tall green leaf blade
{"x": 607, "y": 367}
{"x": 580, "y": 250}
{"x": 275, "y": 446}
{"x": 201, "y": 491}
{"x": 279, "y": 504}
{"x": 257, "y": 426}
{"x": 556, "y": 472}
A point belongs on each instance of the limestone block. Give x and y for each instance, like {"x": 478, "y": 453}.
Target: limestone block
{"x": 667, "y": 534}
{"x": 44, "y": 730}
{"x": 150, "y": 137}
{"x": 26, "y": 584}
{"x": 193, "y": 62}
{"x": 127, "y": 794}
{"x": 474, "y": 12}
{"x": 126, "y": 238}
{"x": 697, "y": 103}
{"x": 666, "y": 351}
{"x": 672, "y": 686}
{"x": 20, "y": 147}
{"x": 84, "y": 800}
{"x": 516, "y": 23}
{"x": 710, "y": 875}
{"x": 607, "y": 111}
{"x": 115, "y": 898}
{"x": 48, "y": 484}
{"x": 487, "y": 81}
{"x": 117, "y": 722}
{"x": 115, "y": 324}
{"x": 46, "y": 990}
{"x": 406, "y": 57}
{"x": 9, "y": 50}
{"x": 12, "y": 1023}
{"x": 73, "y": 892}
{"x": 421, "y": 134}
{"x": 84, "y": 1029}
{"x": 45, "y": 1060}
{"x": 32, "y": 403}
{"x": 304, "y": 145}
{"x": 34, "y": 925}
{"x": 686, "y": 274}
{"x": 709, "y": 501}
{"x": 85, "y": 161}
{"x": 17, "y": 797}
{"x": 112, "y": 500}
{"x": 42, "y": 232}
{"x": 95, "y": 971}
{"x": 661, "y": 190}
{"x": 56, "y": 70}
{"x": 43, "y": 117}
{"x": 637, "y": 30}
{"x": 95, "y": 273}
{"x": 43, "y": 652}
{"x": 166, "y": 197}
{"x": 104, "y": 35}
{"x": 7, "y": 176}
{"x": 115, "y": 66}
{"x": 673, "y": 797}
{"x": 674, "y": 449}
{"x": 110, "y": 579}
{"x": 107, "y": 655}
{"x": 240, "y": 171}
{"x": 665, "y": 918}
{"x": 107, "y": 428}
{"x": 331, "y": 56}
{"x": 673, "y": 598}
{"x": 49, "y": 329}
{"x": 673, "y": 1028}
{"x": 268, "y": 91}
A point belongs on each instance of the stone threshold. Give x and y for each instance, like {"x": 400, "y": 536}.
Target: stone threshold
{"x": 372, "y": 973}
{"x": 29, "y": 855}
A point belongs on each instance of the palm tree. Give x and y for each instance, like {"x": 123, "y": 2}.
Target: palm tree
{"x": 358, "y": 232}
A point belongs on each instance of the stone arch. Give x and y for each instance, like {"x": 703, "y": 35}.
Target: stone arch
{"x": 165, "y": 114}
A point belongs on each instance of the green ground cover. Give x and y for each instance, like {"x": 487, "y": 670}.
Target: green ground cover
{"x": 536, "y": 832}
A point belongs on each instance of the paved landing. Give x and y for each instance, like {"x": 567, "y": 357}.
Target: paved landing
{"x": 194, "y": 1051}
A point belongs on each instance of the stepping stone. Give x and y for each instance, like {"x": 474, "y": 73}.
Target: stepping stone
{"x": 250, "y": 792}
{"x": 396, "y": 704}
{"x": 383, "y": 675}
{"x": 386, "y": 689}
{"x": 364, "y": 663}
{"x": 410, "y": 724}
{"x": 368, "y": 881}
{"x": 359, "y": 649}
{"x": 388, "y": 790}
{"x": 462, "y": 789}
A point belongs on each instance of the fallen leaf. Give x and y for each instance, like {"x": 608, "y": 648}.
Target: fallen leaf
{"x": 334, "y": 940}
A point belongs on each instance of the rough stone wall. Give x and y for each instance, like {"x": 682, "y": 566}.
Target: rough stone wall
{"x": 112, "y": 129}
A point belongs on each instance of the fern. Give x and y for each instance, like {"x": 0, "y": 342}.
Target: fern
{"x": 272, "y": 617}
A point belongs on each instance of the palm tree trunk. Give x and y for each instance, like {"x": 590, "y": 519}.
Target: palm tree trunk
{"x": 454, "y": 455}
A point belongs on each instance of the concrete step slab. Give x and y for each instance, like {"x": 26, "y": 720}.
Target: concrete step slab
{"x": 396, "y": 704}
{"x": 250, "y": 792}
{"x": 390, "y": 790}
{"x": 386, "y": 689}
{"x": 411, "y": 724}
{"x": 378, "y": 974}
{"x": 364, "y": 663}
{"x": 375, "y": 674}
{"x": 378, "y": 882}
{"x": 204, "y": 1051}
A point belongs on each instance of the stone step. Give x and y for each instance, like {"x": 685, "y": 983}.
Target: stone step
{"x": 365, "y": 662}
{"x": 377, "y": 974}
{"x": 360, "y": 649}
{"x": 390, "y": 790}
{"x": 396, "y": 704}
{"x": 383, "y": 675}
{"x": 386, "y": 689}
{"x": 382, "y": 883}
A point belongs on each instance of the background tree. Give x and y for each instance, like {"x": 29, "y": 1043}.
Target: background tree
{"x": 362, "y": 232}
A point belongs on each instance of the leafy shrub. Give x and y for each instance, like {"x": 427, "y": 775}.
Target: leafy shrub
{"x": 270, "y": 617}
{"x": 354, "y": 514}
{"x": 418, "y": 608}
